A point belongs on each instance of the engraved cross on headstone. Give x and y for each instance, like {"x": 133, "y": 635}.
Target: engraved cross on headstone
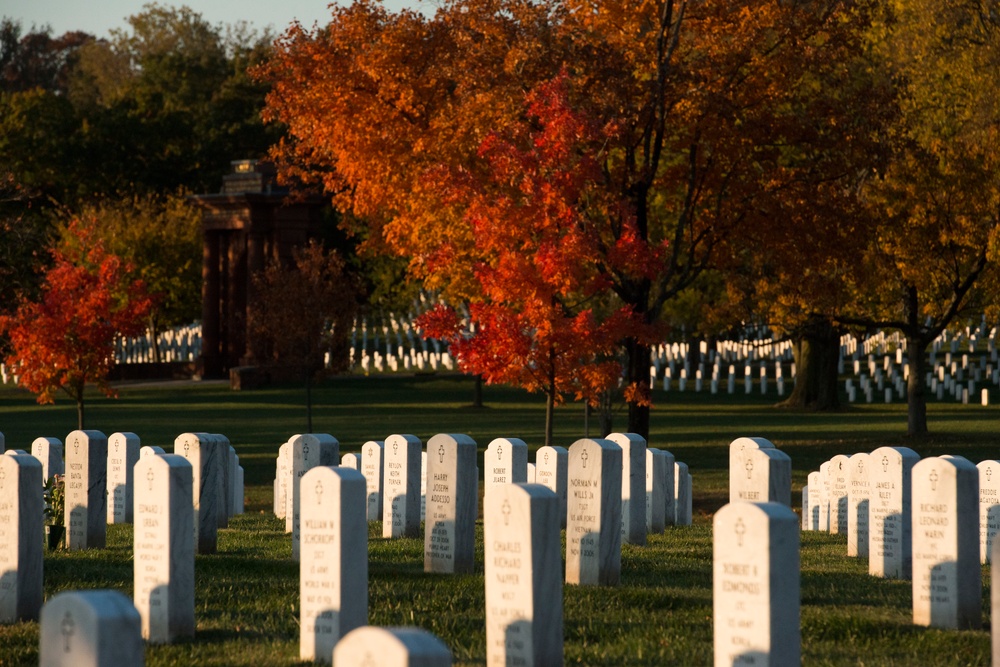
{"x": 861, "y": 466}
{"x": 749, "y": 468}
{"x": 67, "y": 628}
{"x": 740, "y": 529}
{"x": 505, "y": 508}
{"x": 369, "y": 661}
{"x": 989, "y": 473}
{"x": 395, "y": 447}
{"x": 583, "y": 457}
{"x": 319, "y": 492}
{"x": 934, "y": 480}
{"x": 441, "y": 453}
{"x": 187, "y": 447}
{"x": 150, "y": 476}
{"x": 76, "y": 446}
{"x": 885, "y": 464}
{"x": 546, "y": 457}
{"x": 499, "y": 451}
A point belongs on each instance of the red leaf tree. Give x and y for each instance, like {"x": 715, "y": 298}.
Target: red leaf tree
{"x": 65, "y": 340}
{"x": 542, "y": 318}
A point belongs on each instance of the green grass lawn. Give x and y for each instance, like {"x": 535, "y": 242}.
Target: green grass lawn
{"x": 247, "y": 594}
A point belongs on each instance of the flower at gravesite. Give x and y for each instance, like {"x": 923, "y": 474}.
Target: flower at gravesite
{"x": 55, "y": 499}
{"x": 65, "y": 339}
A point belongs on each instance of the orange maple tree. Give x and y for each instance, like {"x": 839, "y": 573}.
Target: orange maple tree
{"x": 540, "y": 320}
{"x": 386, "y": 111}
{"x": 65, "y": 339}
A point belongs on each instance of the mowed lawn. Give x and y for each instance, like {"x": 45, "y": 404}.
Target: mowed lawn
{"x": 247, "y": 595}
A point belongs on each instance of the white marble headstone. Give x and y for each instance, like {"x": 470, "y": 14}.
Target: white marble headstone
{"x": 163, "y": 552}
{"x": 506, "y": 462}
{"x": 989, "y": 507}
{"x": 633, "y": 486}
{"x": 225, "y": 494}
{"x": 947, "y": 579}
{"x": 308, "y": 450}
{"x": 659, "y": 489}
{"x": 283, "y": 483}
{"x": 593, "y": 521}
{"x": 551, "y": 469}
{"x": 391, "y": 647}
{"x": 452, "y": 504}
{"x": 204, "y": 452}
{"x": 523, "y": 556}
{"x": 123, "y": 452}
{"x": 350, "y": 461}
{"x": 22, "y": 509}
{"x": 889, "y": 519}
{"x": 840, "y": 470}
{"x": 739, "y": 456}
{"x": 815, "y": 485}
{"x": 333, "y": 572}
{"x": 371, "y": 468}
{"x": 86, "y": 490}
{"x": 825, "y": 509}
{"x": 858, "y": 504}
{"x": 755, "y": 585}
{"x": 682, "y": 495}
{"x": 93, "y": 628}
{"x": 401, "y": 486}
{"x": 50, "y": 452}
{"x": 150, "y": 450}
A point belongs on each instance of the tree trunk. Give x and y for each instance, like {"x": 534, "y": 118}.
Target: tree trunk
{"x": 477, "y": 395}
{"x": 79, "y": 412}
{"x": 637, "y": 371}
{"x": 606, "y": 416}
{"x": 154, "y": 335}
{"x": 816, "y": 349}
{"x": 916, "y": 398}
{"x": 550, "y": 405}
{"x": 309, "y": 402}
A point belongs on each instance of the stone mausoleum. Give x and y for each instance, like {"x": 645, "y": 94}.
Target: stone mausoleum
{"x": 250, "y": 222}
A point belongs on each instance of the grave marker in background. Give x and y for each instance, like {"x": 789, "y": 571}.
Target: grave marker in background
{"x": 840, "y": 470}
{"x": 50, "y": 452}
{"x": 401, "y": 486}
{"x": 858, "y": 504}
{"x": 506, "y": 461}
{"x": 593, "y": 521}
{"x": 682, "y": 494}
{"x": 739, "y": 456}
{"x": 86, "y": 490}
{"x": 371, "y": 468}
{"x": 989, "y": 508}
{"x": 551, "y": 470}
{"x": 890, "y": 552}
{"x": 815, "y": 484}
{"x": 123, "y": 452}
{"x": 308, "y": 450}
{"x": 452, "y": 504}
{"x": 633, "y": 486}
{"x": 203, "y": 452}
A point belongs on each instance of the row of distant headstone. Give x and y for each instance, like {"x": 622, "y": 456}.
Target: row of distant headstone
{"x": 603, "y": 491}
{"x": 177, "y": 503}
{"x": 931, "y": 520}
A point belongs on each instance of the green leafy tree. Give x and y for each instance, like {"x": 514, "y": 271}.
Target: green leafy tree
{"x": 161, "y": 237}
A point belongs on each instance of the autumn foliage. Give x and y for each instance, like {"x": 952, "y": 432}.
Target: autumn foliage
{"x": 65, "y": 339}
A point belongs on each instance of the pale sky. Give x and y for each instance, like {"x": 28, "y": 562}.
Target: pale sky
{"x": 99, "y": 17}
